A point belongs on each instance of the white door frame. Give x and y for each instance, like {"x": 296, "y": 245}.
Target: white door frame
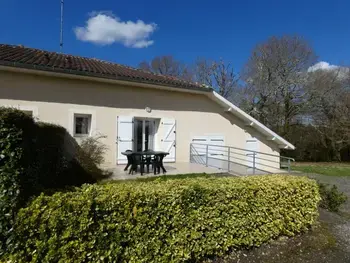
{"x": 143, "y": 120}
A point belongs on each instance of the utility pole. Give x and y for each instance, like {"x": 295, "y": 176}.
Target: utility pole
{"x": 61, "y": 33}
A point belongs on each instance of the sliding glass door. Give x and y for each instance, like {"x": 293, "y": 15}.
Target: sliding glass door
{"x": 144, "y": 134}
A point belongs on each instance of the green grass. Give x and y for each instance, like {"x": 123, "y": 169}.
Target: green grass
{"x": 331, "y": 169}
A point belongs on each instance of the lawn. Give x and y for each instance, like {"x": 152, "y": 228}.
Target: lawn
{"x": 331, "y": 169}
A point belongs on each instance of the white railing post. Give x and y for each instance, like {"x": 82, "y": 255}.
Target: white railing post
{"x": 228, "y": 159}
{"x": 288, "y": 165}
{"x": 190, "y": 152}
{"x": 254, "y": 163}
{"x": 206, "y": 156}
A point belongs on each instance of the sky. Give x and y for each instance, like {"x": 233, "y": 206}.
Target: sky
{"x": 128, "y": 32}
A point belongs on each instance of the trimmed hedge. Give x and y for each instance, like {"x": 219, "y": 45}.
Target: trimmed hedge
{"x": 164, "y": 221}
{"x": 13, "y": 142}
{"x": 34, "y": 157}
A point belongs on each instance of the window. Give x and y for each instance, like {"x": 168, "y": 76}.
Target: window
{"x": 82, "y": 124}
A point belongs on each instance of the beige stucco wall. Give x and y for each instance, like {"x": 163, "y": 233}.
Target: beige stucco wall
{"x": 54, "y": 100}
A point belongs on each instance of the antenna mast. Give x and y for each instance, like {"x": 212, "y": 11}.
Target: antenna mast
{"x": 61, "y": 33}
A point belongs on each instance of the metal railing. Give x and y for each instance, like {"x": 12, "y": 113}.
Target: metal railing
{"x": 238, "y": 160}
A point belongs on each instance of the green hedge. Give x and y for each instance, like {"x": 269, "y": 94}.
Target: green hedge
{"x": 15, "y": 131}
{"x": 34, "y": 157}
{"x": 55, "y": 164}
{"x": 164, "y": 221}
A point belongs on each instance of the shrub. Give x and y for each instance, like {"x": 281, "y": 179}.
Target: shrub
{"x": 54, "y": 164}
{"x": 14, "y": 133}
{"x": 163, "y": 221}
{"x": 34, "y": 157}
{"x": 331, "y": 197}
{"x": 93, "y": 147}
{"x": 91, "y": 154}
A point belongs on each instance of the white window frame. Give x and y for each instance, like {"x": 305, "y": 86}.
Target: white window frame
{"x": 82, "y": 112}
{"x": 33, "y": 109}
{"x": 79, "y": 115}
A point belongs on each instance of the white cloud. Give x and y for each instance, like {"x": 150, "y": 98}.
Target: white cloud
{"x": 342, "y": 72}
{"x": 105, "y": 29}
{"x": 323, "y": 66}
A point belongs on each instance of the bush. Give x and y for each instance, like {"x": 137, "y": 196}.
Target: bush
{"x": 331, "y": 197}
{"x": 14, "y": 129}
{"x": 34, "y": 157}
{"x": 163, "y": 221}
{"x": 54, "y": 164}
{"x": 91, "y": 154}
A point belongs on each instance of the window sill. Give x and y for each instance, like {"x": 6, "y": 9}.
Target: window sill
{"x": 81, "y": 135}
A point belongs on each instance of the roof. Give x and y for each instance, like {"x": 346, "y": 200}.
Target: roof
{"x": 20, "y": 56}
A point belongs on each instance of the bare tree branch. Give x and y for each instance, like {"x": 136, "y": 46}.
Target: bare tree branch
{"x": 329, "y": 106}
{"x": 275, "y": 78}
{"x": 167, "y": 65}
{"x": 218, "y": 75}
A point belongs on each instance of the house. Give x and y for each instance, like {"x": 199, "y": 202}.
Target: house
{"x": 134, "y": 109}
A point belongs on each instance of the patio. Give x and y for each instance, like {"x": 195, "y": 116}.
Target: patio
{"x": 172, "y": 169}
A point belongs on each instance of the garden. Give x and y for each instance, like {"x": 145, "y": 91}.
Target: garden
{"x": 56, "y": 205}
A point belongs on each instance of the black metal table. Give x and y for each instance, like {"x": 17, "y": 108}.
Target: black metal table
{"x": 150, "y": 153}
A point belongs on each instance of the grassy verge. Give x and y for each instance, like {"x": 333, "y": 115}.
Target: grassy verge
{"x": 331, "y": 169}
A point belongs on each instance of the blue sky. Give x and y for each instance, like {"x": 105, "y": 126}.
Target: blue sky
{"x": 185, "y": 29}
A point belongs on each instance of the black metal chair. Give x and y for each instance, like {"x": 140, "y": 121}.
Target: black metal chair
{"x": 158, "y": 163}
{"x": 147, "y": 160}
{"x": 137, "y": 159}
{"x": 129, "y": 160}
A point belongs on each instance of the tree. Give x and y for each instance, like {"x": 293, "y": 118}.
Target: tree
{"x": 215, "y": 74}
{"x": 329, "y": 107}
{"x": 167, "y": 65}
{"x": 275, "y": 78}
{"x": 218, "y": 75}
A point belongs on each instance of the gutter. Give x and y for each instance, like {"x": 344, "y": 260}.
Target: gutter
{"x": 250, "y": 121}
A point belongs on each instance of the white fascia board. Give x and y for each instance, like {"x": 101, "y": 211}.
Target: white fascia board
{"x": 249, "y": 119}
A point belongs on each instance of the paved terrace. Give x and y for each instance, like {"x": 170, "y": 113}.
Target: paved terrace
{"x": 172, "y": 169}
{"x": 187, "y": 168}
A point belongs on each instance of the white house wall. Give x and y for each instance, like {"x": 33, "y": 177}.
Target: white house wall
{"x": 54, "y": 99}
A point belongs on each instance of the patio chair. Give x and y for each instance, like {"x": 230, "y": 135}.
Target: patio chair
{"x": 148, "y": 160}
{"x": 158, "y": 163}
{"x": 129, "y": 160}
{"x": 137, "y": 160}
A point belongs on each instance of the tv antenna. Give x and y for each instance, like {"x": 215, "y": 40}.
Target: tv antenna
{"x": 61, "y": 33}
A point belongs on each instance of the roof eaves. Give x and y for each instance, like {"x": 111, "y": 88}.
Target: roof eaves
{"x": 102, "y": 76}
{"x": 233, "y": 108}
